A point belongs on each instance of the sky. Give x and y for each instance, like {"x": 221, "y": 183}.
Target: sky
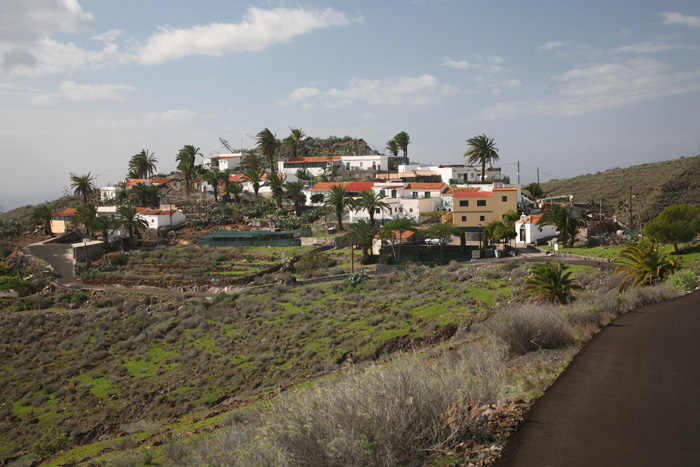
{"x": 565, "y": 86}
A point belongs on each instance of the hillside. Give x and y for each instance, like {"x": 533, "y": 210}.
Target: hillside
{"x": 654, "y": 187}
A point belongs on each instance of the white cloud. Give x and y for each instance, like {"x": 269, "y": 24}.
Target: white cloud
{"x": 93, "y": 92}
{"x": 600, "y": 86}
{"x": 258, "y": 30}
{"x": 489, "y": 63}
{"x": 549, "y": 46}
{"x": 677, "y": 18}
{"x": 458, "y": 64}
{"x": 412, "y": 91}
{"x": 659, "y": 44}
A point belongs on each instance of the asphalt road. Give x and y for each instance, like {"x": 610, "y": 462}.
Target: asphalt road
{"x": 631, "y": 397}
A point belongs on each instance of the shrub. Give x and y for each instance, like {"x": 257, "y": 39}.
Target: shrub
{"x": 120, "y": 259}
{"x": 78, "y": 297}
{"x": 53, "y": 440}
{"x": 684, "y": 280}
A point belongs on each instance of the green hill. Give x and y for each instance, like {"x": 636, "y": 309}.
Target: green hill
{"x": 653, "y": 186}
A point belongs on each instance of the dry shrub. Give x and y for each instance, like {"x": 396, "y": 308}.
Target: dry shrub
{"x": 646, "y": 295}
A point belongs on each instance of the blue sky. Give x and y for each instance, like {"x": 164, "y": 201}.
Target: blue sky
{"x": 569, "y": 87}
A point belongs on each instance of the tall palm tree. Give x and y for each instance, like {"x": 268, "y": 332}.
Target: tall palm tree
{"x": 564, "y": 221}
{"x": 644, "y": 263}
{"x": 145, "y": 195}
{"x": 188, "y": 170}
{"x": 551, "y": 283}
{"x": 234, "y": 189}
{"x": 268, "y": 144}
{"x": 295, "y": 190}
{"x": 255, "y": 178}
{"x": 482, "y": 149}
{"x": 363, "y": 233}
{"x": 143, "y": 164}
{"x": 213, "y": 177}
{"x": 251, "y": 160}
{"x": 44, "y": 213}
{"x": 225, "y": 178}
{"x": 534, "y": 191}
{"x": 293, "y": 144}
{"x": 127, "y": 217}
{"x": 393, "y": 147}
{"x": 370, "y": 201}
{"x": 83, "y": 185}
{"x": 276, "y": 183}
{"x": 338, "y": 199}
{"x": 103, "y": 225}
{"x": 187, "y": 163}
{"x": 402, "y": 141}
{"x": 86, "y": 215}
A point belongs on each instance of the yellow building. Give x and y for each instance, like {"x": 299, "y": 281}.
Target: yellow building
{"x": 61, "y": 221}
{"x": 474, "y": 209}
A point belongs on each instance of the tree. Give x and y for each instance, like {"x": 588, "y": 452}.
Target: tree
{"x": 551, "y": 283}
{"x": 363, "y": 233}
{"x": 293, "y": 144}
{"x": 213, "y": 177}
{"x": 393, "y": 147}
{"x": 276, "y": 183}
{"x": 295, "y": 190}
{"x": 644, "y": 263}
{"x": 402, "y": 141}
{"x": 395, "y": 230}
{"x": 675, "y": 224}
{"x": 534, "y": 191}
{"x": 145, "y": 195}
{"x": 187, "y": 163}
{"x": 268, "y": 144}
{"x": 44, "y": 213}
{"x": 338, "y": 199}
{"x": 370, "y": 201}
{"x": 85, "y": 216}
{"x": 143, "y": 164}
{"x": 442, "y": 232}
{"x": 482, "y": 149}
{"x": 251, "y": 160}
{"x": 103, "y": 225}
{"x": 83, "y": 185}
{"x": 564, "y": 221}
{"x": 234, "y": 189}
{"x": 127, "y": 217}
{"x": 255, "y": 178}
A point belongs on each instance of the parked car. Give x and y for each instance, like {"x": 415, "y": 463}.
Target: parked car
{"x": 436, "y": 241}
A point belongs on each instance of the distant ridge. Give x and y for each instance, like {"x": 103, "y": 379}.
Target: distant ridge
{"x": 654, "y": 187}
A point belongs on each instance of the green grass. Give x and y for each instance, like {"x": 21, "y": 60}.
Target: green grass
{"x": 100, "y": 387}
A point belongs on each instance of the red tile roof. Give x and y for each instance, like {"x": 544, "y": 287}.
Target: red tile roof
{"x": 426, "y": 186}
{"x": 158, "y": 181}
{"x": 312, "y": 159}
{"x": 136, "y": 181}
{"x": 350, "y": 187}
{"x": 227, "y": 156}
{"x": 473, "y": 194}
{"x": 533, "y": 218}
{"x": 157, "y": 212}
{"x": 506, "y": 188}
{"x": 68, "y": 212}
{"x": 461, "y": 189}
{"x": 326, "y": 186}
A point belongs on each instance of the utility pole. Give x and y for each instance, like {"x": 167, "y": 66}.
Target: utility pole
{"x": 352, "y": 251}
{"x": 538, "y": 176}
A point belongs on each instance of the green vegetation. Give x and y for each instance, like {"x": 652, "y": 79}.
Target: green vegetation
{"x": 676, "y": 224}
{"x": 645, "y": 263}
{"x": 551, "y": 283}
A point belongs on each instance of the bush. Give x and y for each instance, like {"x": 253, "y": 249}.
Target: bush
{"x": 120, "y": 259}
{"x": 684, "y": 280}
{"x": 78, "y": 297}
{"x": 51, "y": 441}
{"x": 315, "y": 261}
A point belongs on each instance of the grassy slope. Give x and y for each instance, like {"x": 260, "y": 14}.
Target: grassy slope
{"x": 654, "y": 186}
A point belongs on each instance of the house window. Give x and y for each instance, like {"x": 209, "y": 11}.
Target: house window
{"x": 382, "y": 192}
{"x": 415, "y": 194}
{"x": 464, "y": 218}
{"x": 393, "y": 193}
{"x": 504, "y": 198}
{"x": 396, "y": 209}
{"x": 464, "y": 202}
{"x": 360, "y": 164}
{"x": 427, "y": 194}
{"x": 481, "y": 202}
{"x": 482, "y": 218}
{"x": 411, "y": 210}
{"x": 377, "y": 210}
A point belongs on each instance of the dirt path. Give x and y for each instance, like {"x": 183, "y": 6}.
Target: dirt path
{"x": 630, "y": 398}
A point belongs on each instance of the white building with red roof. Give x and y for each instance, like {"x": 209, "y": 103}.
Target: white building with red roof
{"x": 527, "y": 230}
{"x": 223, "y": 161}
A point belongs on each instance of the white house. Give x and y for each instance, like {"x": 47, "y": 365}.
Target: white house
{"x": 527, "y": 230}
{"x": 313, "y": 166}
{"x": 109, "y": 192}
{"x": 366, "y": 162}
{"x": 223, "y": 161}
{"x": 248, "y": 186}
{"x": 453, "y": 174}
{"x": 157, "y": 218}
{"x": 404, "y": 200}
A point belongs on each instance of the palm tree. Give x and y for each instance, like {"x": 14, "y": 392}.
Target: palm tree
{"x": 402, "y": 141}
{"x": 234, "y": 189}
{"x": 187, "y": 163}
{"x": 83, "y": 185}
{"x": 127, "y": 217}
{"x": 482, "y": 149}
{"x": 549, "y": 283}
{"x": 86, "y": 215}
{"x": 213, "y": 177}
{"x": 225, "y": 178}
{"x": 338, "y": 199}
{"x": 295, "y": 190}
{"x": 564, "y": 221}
{"x": 294, "y": 143}
{"x": 145, "y": 195}
{"x": 268, "y": 144}
{"x": 395, "y": 230}
{"x": 276, "y": 184}
{"x": 393, "y": 147}
{"x": 143, "y": 164}
{"x": 363, "y": 233}
{"x": 44, "y": 213}
{"x": 255, "y": 178}
{"x": 185, "y": 166}
{"x": 103, "y": 225}
{"x": 534, "y": 191}
{"x": 251, "y": 160}
{"x": 644, "y": 263}
{"x": 370, "y": 201}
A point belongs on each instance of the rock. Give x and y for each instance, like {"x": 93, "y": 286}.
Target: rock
{"x": 502, "y": 402}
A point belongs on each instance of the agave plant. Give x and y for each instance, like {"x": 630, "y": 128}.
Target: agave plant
{"x": 644, "y": 263}
{"x": 551, "y": 283}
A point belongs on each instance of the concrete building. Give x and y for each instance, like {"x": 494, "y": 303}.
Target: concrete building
{"x": 224, "y": 161}
{"x": 527, "y": 230}
{"x": 473, "y": 210}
